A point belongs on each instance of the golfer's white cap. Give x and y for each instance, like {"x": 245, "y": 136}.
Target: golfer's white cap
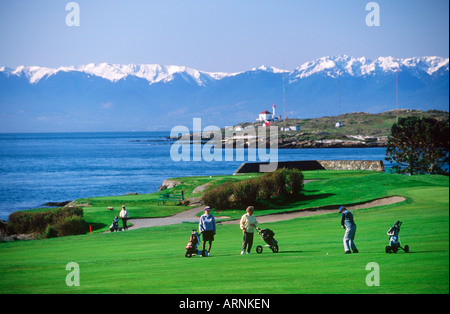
{"x": 207, "y": 208}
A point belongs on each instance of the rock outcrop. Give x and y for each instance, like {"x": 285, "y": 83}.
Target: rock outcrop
{"x": 168, "y": 184}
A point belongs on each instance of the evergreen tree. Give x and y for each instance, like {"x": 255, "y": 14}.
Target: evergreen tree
{"x": 419, "y": 145}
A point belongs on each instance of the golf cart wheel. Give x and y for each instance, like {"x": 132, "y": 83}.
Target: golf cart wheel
{"x": 275, "y": 249}
{"x": 388, "y": 249}
{"x": 406, "y": 248}
{"x": 188, "y": 255}
{"x": 259, "y": 249}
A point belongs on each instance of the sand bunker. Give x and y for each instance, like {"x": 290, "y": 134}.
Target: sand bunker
{"x": 191, "y": 214}
{"x": 320, "y": 210}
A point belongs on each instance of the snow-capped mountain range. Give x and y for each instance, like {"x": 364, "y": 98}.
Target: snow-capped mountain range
{"x": 345, "y": 65}
{"x": 32, "y": 95}
{"x": 154, "y": 73}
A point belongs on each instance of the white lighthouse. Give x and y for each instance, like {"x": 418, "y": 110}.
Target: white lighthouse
{"x": 273, "y": 112}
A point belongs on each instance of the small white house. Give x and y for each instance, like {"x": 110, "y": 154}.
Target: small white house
{"x": 267, "y": 116}
{"x": 291, "y": 128}
{"x": 338, "y": 124}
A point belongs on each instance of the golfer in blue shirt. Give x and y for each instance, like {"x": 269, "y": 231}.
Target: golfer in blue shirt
{"x": 207, "y": 227}
{"x": 350, "y": 230}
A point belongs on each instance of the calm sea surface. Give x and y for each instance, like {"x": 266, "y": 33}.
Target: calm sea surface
{"x": 40, "y": 168}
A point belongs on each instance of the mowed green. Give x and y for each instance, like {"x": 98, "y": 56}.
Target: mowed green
{"x": 310, "y": 260}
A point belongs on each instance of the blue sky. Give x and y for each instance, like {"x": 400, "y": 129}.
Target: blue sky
{"x": 218, "y": 35}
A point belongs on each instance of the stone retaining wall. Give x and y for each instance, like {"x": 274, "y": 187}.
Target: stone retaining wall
{"x": 371, "y": 165}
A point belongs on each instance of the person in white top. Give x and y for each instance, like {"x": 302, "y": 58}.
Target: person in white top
{"x": 248, "y": 224}
{"x": 124, "y": 215}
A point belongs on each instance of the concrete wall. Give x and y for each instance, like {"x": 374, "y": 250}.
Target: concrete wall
{"x": 371, "y": 165}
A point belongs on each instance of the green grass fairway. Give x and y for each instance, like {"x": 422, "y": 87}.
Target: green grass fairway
{"x": 152, "y": 260}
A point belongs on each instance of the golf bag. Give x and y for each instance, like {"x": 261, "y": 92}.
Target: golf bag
{"x": 191, "y": 247}
{"x": 115, "y": 225}
{"x": 267, "y": 236}
{"x": 394, "y": 239}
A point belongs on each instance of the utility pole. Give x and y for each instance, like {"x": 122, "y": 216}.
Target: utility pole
{"x": 396, "y": 90}
{"x": 339, "y": 124}
{"x": 284, "y": 104}
{"x": 339, "y": 92}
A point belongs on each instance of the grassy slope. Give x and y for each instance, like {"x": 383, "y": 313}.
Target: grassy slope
{"x": 152, "y": 260}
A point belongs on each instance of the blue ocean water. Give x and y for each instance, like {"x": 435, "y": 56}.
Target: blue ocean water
{"x": 49, "y": 167}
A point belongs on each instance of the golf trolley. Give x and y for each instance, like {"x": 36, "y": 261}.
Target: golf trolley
{"x": 268, "y": 236}
{"x": 394, "y": 239}
{"x": 191, "y": 247}
{"x": 115, "y": 225}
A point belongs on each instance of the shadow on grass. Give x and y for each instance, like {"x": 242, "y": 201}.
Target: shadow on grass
{"x": 96, "y": 225}
{"x": 284, "y": 252}
{"x": 413, "y": 252}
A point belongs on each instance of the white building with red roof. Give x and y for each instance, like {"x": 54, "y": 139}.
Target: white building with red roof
{"x": 267, "y": 116}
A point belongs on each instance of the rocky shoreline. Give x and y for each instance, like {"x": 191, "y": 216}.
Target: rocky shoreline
{"x": 287, "y": 144}
{"x": 329, "y": 144}
{"x": 348, "y": 141}
{"x": 5, "y": 237}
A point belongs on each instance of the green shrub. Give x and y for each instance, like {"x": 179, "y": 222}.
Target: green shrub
{"x": 40, "y": 220}
{"x": 71, "y": 211}
{"x": 219, "y": 197}
{"x": 283, "y": 183}
{"x": 245, "y": 192}
{"x": 266, "y": 190}
{"x": 294, "y": 183}
{"x": 71, "y": 225}
{"x": 48, "y": 223}
{"x": 278, "y": 181}
{"x": 50, "y": 232}
{"x": 19, "y": 222}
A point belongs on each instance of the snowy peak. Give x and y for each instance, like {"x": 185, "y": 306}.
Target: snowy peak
{"x": 153, "y": 73}
{"x": 32, "y": 73}
{"x": 269, "y": 69}
{"x": 327, "y": 66}
{"x": 346, "y": 65}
